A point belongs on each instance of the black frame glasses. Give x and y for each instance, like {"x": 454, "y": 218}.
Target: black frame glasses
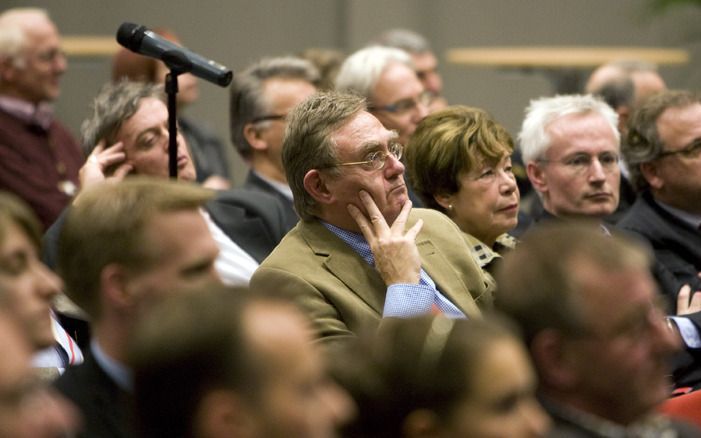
{"x": 693, "y": 150}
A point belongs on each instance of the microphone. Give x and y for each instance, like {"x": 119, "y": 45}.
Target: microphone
{"x": 140, "y": 40}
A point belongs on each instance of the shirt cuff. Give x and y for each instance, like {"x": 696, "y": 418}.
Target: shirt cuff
{"x": 407, "y": 300}
{"x": 688, "y": 331}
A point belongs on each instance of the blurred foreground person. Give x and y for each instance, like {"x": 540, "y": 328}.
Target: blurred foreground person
{"x": 28, "y": 288}
{"x": 27, "y": 408}
{"x": 123, "y": 248}
{"x": 591, "y": 317}
{"x": 437, "y": 377}
{"x": 220, "y": 363}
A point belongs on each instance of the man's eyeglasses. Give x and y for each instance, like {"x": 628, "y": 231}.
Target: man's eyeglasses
{"x": 269, "y": 117}
{"x": 377, "y": 160}
{"x": 581, "y": 163}
{"x": 691, "y": 151}
{"x": 404, "y": 105}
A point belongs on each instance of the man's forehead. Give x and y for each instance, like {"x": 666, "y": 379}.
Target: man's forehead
{"x": 139, "y": 121}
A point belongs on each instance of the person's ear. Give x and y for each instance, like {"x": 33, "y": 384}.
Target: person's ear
{"x": 537, "y": 176}
{"x": 650, "y": 172}
{"x": 421, "y": 423}
{"x": 444, "y": 200}
{"x": 554, "y": 359}
{"x": 252, "y": 134}
{"x": 114, "y": 284}
{"x": 221, "y": 414}
{"x": 316, "y": 184}
{"x": 8, "y": 71}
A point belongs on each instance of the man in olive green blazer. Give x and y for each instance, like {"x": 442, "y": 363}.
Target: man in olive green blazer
{"x": 360, "y": 253}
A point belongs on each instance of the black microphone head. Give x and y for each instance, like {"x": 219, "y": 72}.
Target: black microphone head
{"x": 130, "y": 35}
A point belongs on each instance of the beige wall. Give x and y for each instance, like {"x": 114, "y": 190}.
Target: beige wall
{"x": 236, "y": 32}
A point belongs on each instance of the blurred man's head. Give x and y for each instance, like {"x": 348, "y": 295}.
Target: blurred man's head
{"x": 221, "y": 363}
{"x": 31, "y": 60}
{"x": 570, "y": 145}
{"x": 425, "y": 61}
{"x": 125, "y": 245}
{"x": 589, "y": 309}
{"x": 385, "y": 77}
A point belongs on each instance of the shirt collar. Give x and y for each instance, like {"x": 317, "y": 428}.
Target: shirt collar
{"x": 41, "y": 115}
{"x": 692, "y": 219}
{"x": 284, "y": 189}
{"x": 118, "y": 372}
{"x": 356, "y": 241}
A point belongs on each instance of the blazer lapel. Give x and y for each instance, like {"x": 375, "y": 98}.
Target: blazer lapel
{"x": 345, "y": 264}
{"x": 447, "y": 280}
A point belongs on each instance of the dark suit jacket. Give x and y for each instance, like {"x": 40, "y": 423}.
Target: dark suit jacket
{"x": 257, "y": 184}
{"x": 106, "y": 409}
{"x": 343, "y": 295}
{"x": 676, "y": 244}
{"x": 253, "y": 220}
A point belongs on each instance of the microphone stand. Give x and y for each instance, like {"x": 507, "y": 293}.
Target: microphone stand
{"x": 178, "y": 64}
{"x": 171, "y": 88}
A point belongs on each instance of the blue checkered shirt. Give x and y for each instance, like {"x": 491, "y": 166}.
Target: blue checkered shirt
{"x": 402, "y": 300}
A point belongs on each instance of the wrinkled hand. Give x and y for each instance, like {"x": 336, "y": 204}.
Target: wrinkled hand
{"x": 104, "y": 164}
{"x": 396, "y": 255}
{"x": 686, "y": 306}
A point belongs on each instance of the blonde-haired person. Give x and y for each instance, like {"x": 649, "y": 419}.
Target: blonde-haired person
{"x": 459, "y": 162}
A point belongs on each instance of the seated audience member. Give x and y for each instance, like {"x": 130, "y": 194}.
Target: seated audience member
{"x": 663, "y": 150}
{"x": 459, "y": 163}
{"x": 39, "y": 158}
{"x": 261, "y": 98}
{"x": 28, "y": 288}
{"x": 386, "y": 78}
{"x": 589, "y": 311}
{"x": 123, "y": 247}
{"x": 624, "y": 85}
{"x": 207, "y": 150}
{"x": 133, "y": 119}
{"x": 360, "y": 252}
{"x": 425, "y": 61}
{"x": 434, "y": 376}
{"x": 28, "y": 409}
{"x": 570, "y": 146}
{"x": 219, "y": 363}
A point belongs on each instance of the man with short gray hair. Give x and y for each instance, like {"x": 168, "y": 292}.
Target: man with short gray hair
{"x": 39, "y": 158}
{"x": 570, "y": 145}
{"x": 385, "y": 77}
{"x": 261, "y": 97}
{"x": 425, "y": 62}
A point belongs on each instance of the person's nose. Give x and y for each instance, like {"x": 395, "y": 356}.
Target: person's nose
{"x": 507, "y": 184}
{"x": 60, "y": 63}
{"x": 420, "y": 112}
{"x": 48, "y": 284}
{"x": 536, "y": 421}
{"x": 597, "y": 173}
{"x": 339, "y": 405}
{"x": 393, "y": 166}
